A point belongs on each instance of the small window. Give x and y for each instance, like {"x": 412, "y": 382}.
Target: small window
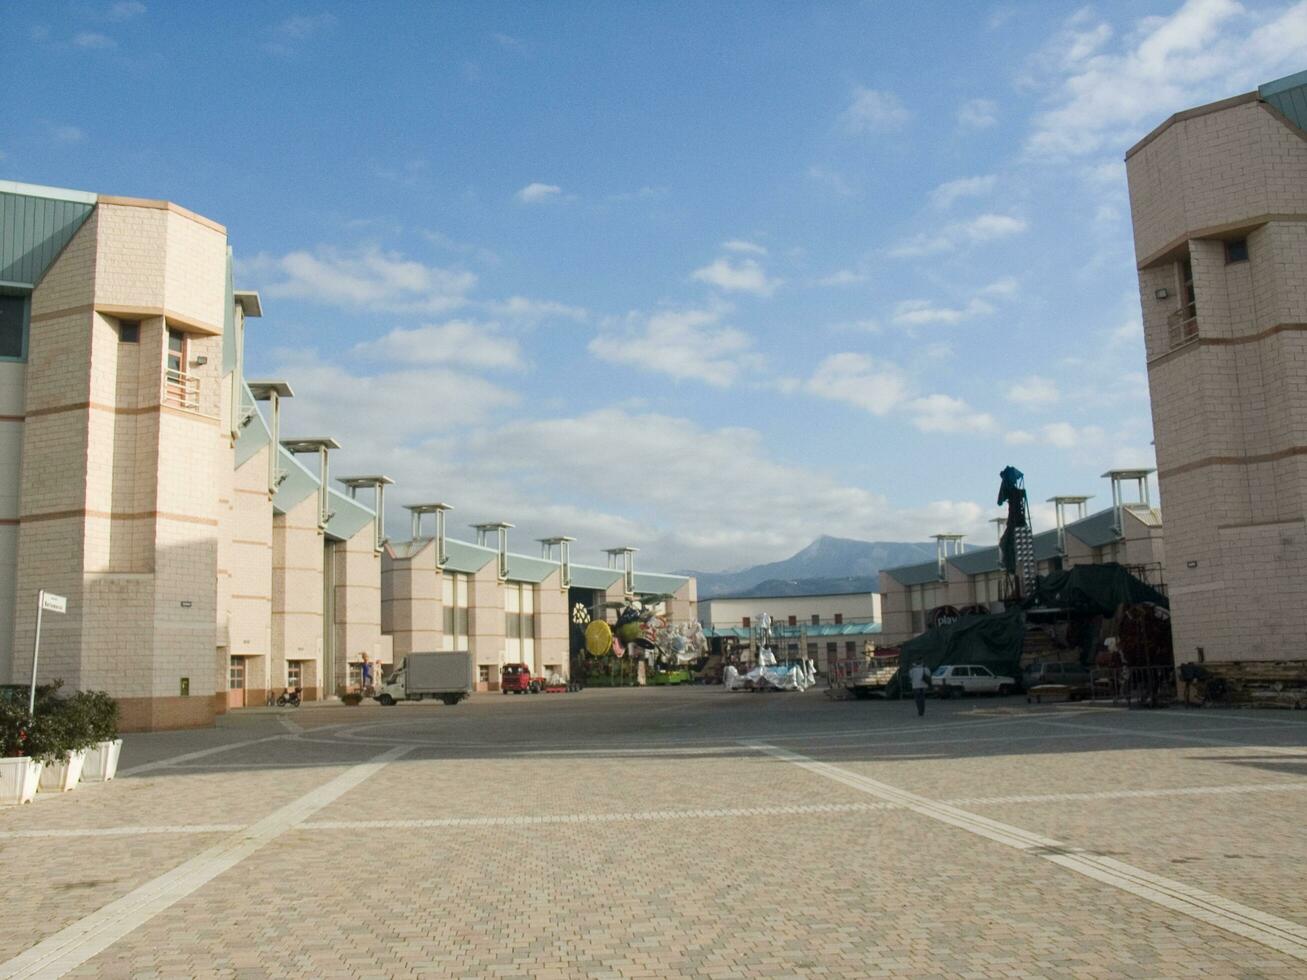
{"x": 794, "y": 621}
{"x": 129, "y": 332}
{"x": 746, "y": 623}
{"x": 831, "y": 649}
{"x": 13, "y": 327}
{"x": 851, "y": 648}
{"x": 839, "y": 618}
{"x": 295, "y": 673}
{"x": 816, "y": 620}
{"x": 1236, "y": 250}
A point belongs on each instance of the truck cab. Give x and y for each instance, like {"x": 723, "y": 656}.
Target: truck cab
{"x": 516, "y": 679}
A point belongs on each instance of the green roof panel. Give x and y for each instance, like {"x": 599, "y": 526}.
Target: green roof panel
{"x": 35, "y": 224}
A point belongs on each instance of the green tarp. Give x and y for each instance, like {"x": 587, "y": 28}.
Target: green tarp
{"x": 1093, "y": 590}
{"x": 991, "y": 641}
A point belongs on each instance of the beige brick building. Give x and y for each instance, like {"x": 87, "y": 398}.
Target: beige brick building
{"x": 1128, "y": 533}
{"x": 207, "y": 561}
{"x": 203, "y": 565}
{"x": 439, "y": 593}
{"x": 1218, "y": 196}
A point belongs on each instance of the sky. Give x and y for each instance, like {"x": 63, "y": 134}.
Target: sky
{"x": 706, "y": 279}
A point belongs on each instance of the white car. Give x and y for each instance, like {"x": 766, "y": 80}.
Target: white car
{"x": 954, "y": 679}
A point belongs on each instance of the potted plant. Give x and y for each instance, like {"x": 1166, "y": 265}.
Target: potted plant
{"x": 20, "y": 773}
{"x": 102, "y": 757}
{"x": 60, "y": 736}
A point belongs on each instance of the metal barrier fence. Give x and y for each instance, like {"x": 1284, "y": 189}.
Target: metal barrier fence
{"x": 1147, "y": 687}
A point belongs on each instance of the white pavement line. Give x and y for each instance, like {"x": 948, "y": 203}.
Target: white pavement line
{"x": 1173, "y": 736}
{"x": 527, "y": 821}
{"x": 1269, "y": 930}
{"x": 289, "y": 725}
{"x": 74, "y": 945}
{"x": 195, "y": 828}
{"x": 1130, "y": 794}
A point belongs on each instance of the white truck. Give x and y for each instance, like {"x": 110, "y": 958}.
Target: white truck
{"x": 448, "y": 675}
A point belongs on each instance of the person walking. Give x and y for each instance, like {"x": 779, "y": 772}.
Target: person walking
{"x": 919, "y": 675}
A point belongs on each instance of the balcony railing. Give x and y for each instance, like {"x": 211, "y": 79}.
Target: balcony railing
{"x": 181, "y": 389}
{"x": 1182, "y": 326}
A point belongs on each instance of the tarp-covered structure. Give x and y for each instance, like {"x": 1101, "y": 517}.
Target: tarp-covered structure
{"x": 993, "y": 641}
{"x": 1092, "y": 590}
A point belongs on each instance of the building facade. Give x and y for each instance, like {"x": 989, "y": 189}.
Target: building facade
{"x": 439, "y": 593}
{"x": 1129, "y": 533}
{"x": 207, "y": 561}
{"x": 1218, "y": 196}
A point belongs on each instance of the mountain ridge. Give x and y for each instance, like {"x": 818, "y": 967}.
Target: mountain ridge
{"x": 828, "y": 565}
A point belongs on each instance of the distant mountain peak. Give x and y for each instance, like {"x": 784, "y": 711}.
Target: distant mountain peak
{"x": 827, "y": 564}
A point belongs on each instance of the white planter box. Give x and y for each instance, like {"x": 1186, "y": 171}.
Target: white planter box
{"x": 18, "y": 779}
{"x": 62, "y": 776}
{"x": 102, "y": 761}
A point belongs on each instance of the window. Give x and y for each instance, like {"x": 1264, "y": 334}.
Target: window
{"x": 831, "y": 650}
{"x": 483, "y": 673}
{"x": 746, "y": 623}
{"x": 519, "y": 621}
{"x": 839, "y": 619}
{"x": 129, "y": 332}
{"x": 850, "y": 648}
{"x": 794, "y": 621}
{"x": 792, "y": 650}
{"x": 236, "y": 674}
{"x": 453, "y": 600}
{"x": 1236, "y": 251}
{"x": 13, "y": 327}
{"x": 816, "y": 620}
{"x": 295, "y": 673}
{"x": 1182, "y": 325}
{"x": 812, "y": 651}
{"x": 176, "y": 351}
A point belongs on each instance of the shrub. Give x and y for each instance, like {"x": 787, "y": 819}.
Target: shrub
{"x": 59, "y": 726}
{"x": 99, "y": 714}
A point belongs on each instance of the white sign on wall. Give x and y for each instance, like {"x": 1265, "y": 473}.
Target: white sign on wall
{"x": 53, "y": 603}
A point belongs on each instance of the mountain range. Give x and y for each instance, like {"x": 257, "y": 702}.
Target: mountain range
{"x": 827, "y": 566}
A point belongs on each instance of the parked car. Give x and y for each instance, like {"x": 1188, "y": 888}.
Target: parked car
{"x": 950, "y": 680}
{"x": 1073, "y": 675}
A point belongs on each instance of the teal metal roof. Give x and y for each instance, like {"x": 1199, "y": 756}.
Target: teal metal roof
{"x": 534, "y": 570}
{"x": 35, "y": 224}
{"x": 922, "y": 573}
{"x": 255, "y": 435}
{"x": 1096, "y": 530}
{"x": 469, "y": 558}
{"x": 977, "y": 562}
{"x": 652, "y": 584}
{"x": 1289, "y": 95}
{"x": 592, "y": 577}
{"x": 348, "y": 516}
{"x": 298, "y": 484}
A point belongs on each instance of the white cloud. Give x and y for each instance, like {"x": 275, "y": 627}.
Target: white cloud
{"x": 536, "y": 193}
{"x": 692, "y": 343}
{"x": 744, "y": 276}
{"x": 1019, "y": 437}
{"x": 978, "y": 113}
{"x": 508, "y": 41}
{"x": 860, "y": 381}
{"x": 831, "y": 180}
{"x": 1034, "y": 390}
{"x": 66, "y": 134}
{"x": 386, "y": 408}
{"x": 93, "y": 40}
{"x": 364, "y": 277}
{"x": 463, "y": 342}
{"x": 301, "y": 26}
{"x": 841, "y": 277}
{"x": 648, "y": 192}
{"x": 924, "y": 312}
{"x": 739, "y": 245}
{"x": 950, "y": 191}
{"x": 1205, "y": 50}
{"x": 872, "y": 110}
{"x": 944, "y": 413}
{"x": 526, "y": 310}
{"x": 1005, "y": 286}
{"x": 982, "y": 228}
{"x": 126, "y": 10}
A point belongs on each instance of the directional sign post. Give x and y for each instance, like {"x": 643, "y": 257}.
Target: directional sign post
{"x": 53, "y": 603}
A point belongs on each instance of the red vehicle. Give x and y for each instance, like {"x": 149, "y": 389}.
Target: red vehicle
{"x": 517, "y": 679}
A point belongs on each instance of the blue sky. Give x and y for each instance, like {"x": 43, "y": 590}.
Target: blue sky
{"x": 706, "y": 279}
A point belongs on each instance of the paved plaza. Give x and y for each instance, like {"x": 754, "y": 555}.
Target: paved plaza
{"x": 675, "y": 832}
